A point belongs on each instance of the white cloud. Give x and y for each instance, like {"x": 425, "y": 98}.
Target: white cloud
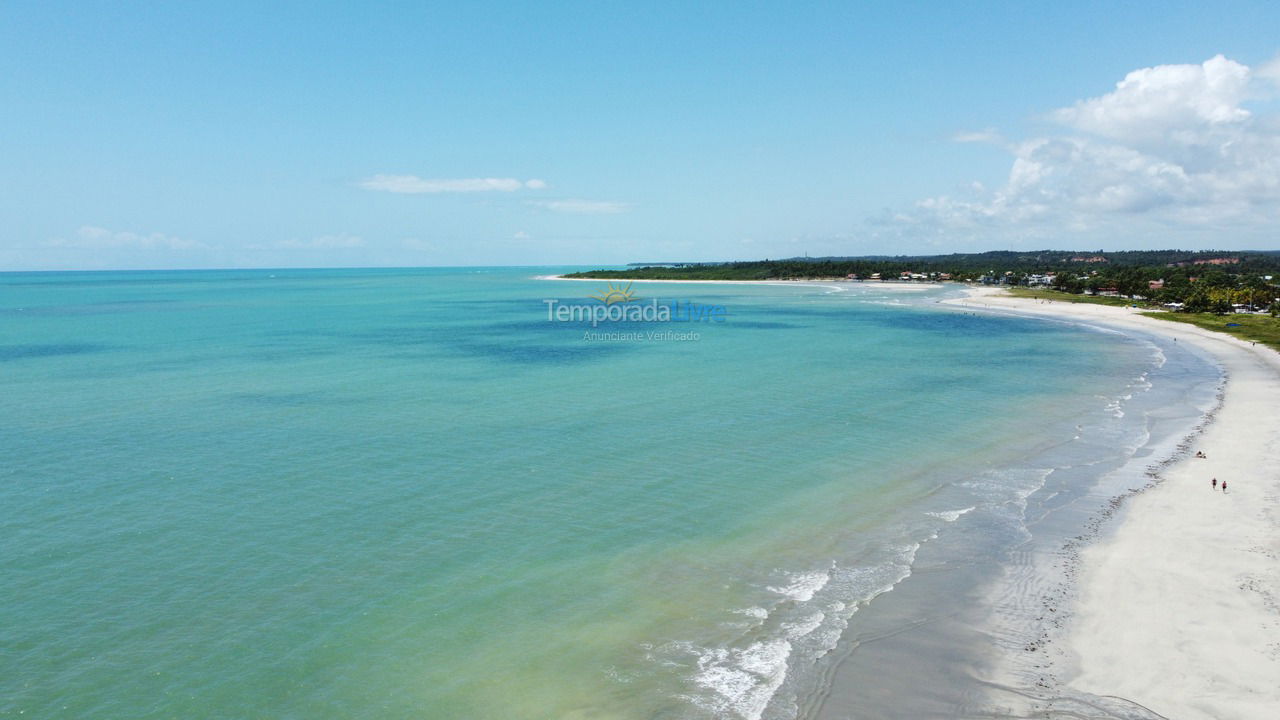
{"x": 323, "y": 242}
{"x": 521, "y": 235}
{"x": 583, "y": 207}
{"x": 414, "y": 185}
{"x": 1269, "y": 70}
{"x": 419, "y": 245}
{"x": 95, "y": 238}
{"x": 1166, "y": 103}
{"x": 981, "y": 136}
{"x": 1172, "y": 147}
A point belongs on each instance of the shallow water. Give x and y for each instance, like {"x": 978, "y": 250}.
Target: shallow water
{"x": 408, "y": 494}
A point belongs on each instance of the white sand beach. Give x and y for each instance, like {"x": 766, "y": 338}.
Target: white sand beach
{"x": 1178, "y": 605}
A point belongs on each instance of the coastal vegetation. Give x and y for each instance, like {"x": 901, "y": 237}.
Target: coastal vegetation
{"x": 1254, "y": 328}
{"x": 1079, "y": 270}
{"x": 1060, "y": 296}
{"x": 1232, "y": 291}
{"x": 1204, "y": 281}
{"x": 1263, "y": 328}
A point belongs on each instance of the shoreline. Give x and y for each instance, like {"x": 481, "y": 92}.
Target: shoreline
{"x": 836, "y": 284}
{"x": 1163, "y": 603}
{"x": 1173, "y": 605}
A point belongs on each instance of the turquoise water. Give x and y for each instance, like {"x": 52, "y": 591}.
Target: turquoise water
{"x": 407, "y": 494}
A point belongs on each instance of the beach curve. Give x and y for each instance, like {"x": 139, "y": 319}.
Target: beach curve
{"x": 1175, "y": 606}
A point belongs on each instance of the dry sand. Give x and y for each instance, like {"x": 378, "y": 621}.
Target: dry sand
{"x": 1178, "y": 608}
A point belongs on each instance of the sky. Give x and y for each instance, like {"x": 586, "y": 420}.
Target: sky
{"x": 181, "y": 135}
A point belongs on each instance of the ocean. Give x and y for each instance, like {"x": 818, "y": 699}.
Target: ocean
{"x": 416, "y": 493}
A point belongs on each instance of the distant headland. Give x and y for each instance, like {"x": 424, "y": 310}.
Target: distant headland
{"x": 1200, "y": 281}
{"x": 1199, "y": 287}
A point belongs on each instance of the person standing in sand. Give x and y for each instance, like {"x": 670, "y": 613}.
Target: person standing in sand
{"x": 1224, "y": 486}
{"x": 1215, "y": 484}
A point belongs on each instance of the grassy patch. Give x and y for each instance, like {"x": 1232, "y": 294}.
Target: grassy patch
{"x": 1254, "y": 328}
{"x": 1060, "y": 296}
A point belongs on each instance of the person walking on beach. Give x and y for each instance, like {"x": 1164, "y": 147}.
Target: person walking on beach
{"x": 1224, "y": 486}
{"x": 1215, "y": 484}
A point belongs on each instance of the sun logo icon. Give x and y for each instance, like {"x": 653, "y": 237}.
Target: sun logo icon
{"x": 616, "y": 294}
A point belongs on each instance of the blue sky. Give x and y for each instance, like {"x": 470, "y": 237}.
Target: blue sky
{"x": 150, "y": 135}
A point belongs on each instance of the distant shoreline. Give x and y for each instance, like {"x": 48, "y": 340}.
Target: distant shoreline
{"x": 831, "y": 282}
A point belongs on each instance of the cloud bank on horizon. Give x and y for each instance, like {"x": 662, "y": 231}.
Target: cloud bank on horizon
{"x": 414, "y": 185}
{"x": 1171, "y": 147}
{"x": 582, "y": 207}
{"x": 89, "y": 237}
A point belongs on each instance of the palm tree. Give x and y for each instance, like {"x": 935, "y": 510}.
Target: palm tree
{"x": 1254, "y": 285}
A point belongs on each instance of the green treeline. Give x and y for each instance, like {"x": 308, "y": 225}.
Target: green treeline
{"x": 1204, "y": 281}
